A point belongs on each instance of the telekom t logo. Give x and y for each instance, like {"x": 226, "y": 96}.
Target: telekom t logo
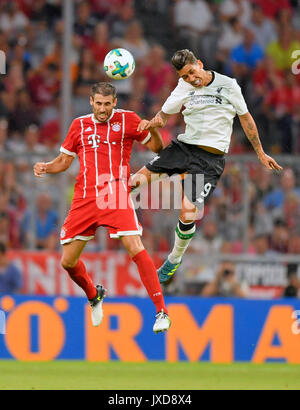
{"x": 2, "y": 62}
{"x": 2, "y": 322}
{"x": 95, "y": 140}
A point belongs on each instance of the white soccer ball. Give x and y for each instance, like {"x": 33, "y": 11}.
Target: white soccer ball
{"x": 119, "y": 64}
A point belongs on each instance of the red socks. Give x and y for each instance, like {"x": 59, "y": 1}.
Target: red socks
{"x": 79, "y": 275}
{"x": 150, "y": 280}
{"x": 147, "y": 273}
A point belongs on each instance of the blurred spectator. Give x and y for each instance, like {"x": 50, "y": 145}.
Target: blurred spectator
{"x": 88, "y": 73}
{"x": 225, "y": 283}
{"x": 3, "y": 135}
{"x": 24, "y": 113}
{"x": 263, "y": 28}
{"x": 12, "y": 20}
{"x": 99, "y": 45}
{"x": 292, "y": 288}
{"x": 208, "y": 241}
{"x": 231, "y": 36}
{"x": 11, "y": 280}
{"x": 194, "y": 32}
{"x": 119, "y": 21}
{"x": 134, "y": 41}
{"x": 279, "y": 239}
{"x": 271, "y": 8}
{"x": 44, "y": 85}
{"x": 246, "y": 56}
{"x": 276, "y": 198}
{"x": 263, "y": 221}
{"x": 45, "y": 221}
{"x": 291, "y": 211}
{"x": 30, "y": 146}
{"x": 159, "y": 73}
{"x": 281, "y": 106}
{"x": 85, "y": 22}
{"x": 281, "y": 50}
{"x": 261, "y": 246}
{"x": 9, "y": 222}
{"x": 240, "y": 9}
{"x": 104, "y": 7}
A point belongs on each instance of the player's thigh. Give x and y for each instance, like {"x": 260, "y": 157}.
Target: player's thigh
{"x": 133, "y": 244}
{"x": 145, "y": 176}
{"x": 71, "y": 253}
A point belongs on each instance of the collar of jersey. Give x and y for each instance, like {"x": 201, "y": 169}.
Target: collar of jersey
{"x": 99, "y": 122}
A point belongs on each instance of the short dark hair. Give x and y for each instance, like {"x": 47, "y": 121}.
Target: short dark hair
{"x": 2, "y": 248}
{"x": 104, "y": 89}
{"x": 183, "y": 57}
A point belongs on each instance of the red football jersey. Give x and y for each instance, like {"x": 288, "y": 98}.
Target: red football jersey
{"x": 103, "y": 149}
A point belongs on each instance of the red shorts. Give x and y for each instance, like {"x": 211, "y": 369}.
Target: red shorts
{"x": 87, "y": 214}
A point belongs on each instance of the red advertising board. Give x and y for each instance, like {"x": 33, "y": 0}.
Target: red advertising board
{"x": 43, "y": 274}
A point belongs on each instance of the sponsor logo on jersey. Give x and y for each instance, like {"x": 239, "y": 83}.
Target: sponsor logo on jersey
{"x": 88, "y": 129}
{"x": 219, "y": 90}
{"x": 205, "y": 99}
{"x": 94, "y": 140}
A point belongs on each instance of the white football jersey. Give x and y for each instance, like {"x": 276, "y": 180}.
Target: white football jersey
{"x": 208, "y": 111}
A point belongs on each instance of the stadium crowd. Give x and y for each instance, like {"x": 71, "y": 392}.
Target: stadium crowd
{"x": 250, "y": 40}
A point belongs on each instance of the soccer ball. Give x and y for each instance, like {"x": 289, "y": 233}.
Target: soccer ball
{"x": 119, "y": 64}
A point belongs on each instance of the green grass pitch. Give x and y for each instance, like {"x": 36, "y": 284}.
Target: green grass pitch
{"x": 69, "y": 375}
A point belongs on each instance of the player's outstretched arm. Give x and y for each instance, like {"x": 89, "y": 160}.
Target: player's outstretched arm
{"x": 250, "y": 129}
{"x": 159, "y": 121}
{"x": 59, "y": 164}
{"x": 155, "y": 143}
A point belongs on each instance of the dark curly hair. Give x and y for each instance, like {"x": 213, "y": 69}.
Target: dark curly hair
{"x": 183, "y": 57}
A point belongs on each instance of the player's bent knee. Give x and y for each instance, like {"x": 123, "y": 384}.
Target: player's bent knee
{"x": 67, "y": 263}
{"x": 133, "y": 244}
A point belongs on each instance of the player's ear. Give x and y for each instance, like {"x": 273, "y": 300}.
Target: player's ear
{"x": 91, "y": 100}
{"x": 200, "y": 63}
{"x": 115, "y": 101}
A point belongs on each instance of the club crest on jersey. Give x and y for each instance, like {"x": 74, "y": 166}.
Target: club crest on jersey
{"x": 116, "y": 126}
{"x": 94, "y": 140}
{"x": 62, "y": 233}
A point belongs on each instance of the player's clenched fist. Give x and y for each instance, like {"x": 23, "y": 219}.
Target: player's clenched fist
{"x": 39, "y": 169}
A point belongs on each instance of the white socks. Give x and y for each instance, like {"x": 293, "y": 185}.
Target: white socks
{"x": 183, "y": 235}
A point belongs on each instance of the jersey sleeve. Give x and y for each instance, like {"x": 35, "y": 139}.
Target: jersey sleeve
{"x": 69, "y": 146}
{"x": 237, "y": 99}
{"x": 133, "y": 121}
{"x": 176, "y": 100}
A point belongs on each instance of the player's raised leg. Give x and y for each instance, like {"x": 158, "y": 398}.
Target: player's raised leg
{"x": 184, "y": 233}
{"x": 143, "y": 177}
{"x": 71, "y": 262}
{"x": 133, "y": 245}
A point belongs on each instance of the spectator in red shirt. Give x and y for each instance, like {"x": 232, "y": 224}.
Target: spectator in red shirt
{"x": 44, "y": 85}
{"x": 158, "y": 72}
{"x": 280, "y": 106}
{"x": 270, "y": 8}
{"x": 100, "y": 46}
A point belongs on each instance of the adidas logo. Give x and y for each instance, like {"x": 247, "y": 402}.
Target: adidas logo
{"x": 88, "y": 129}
